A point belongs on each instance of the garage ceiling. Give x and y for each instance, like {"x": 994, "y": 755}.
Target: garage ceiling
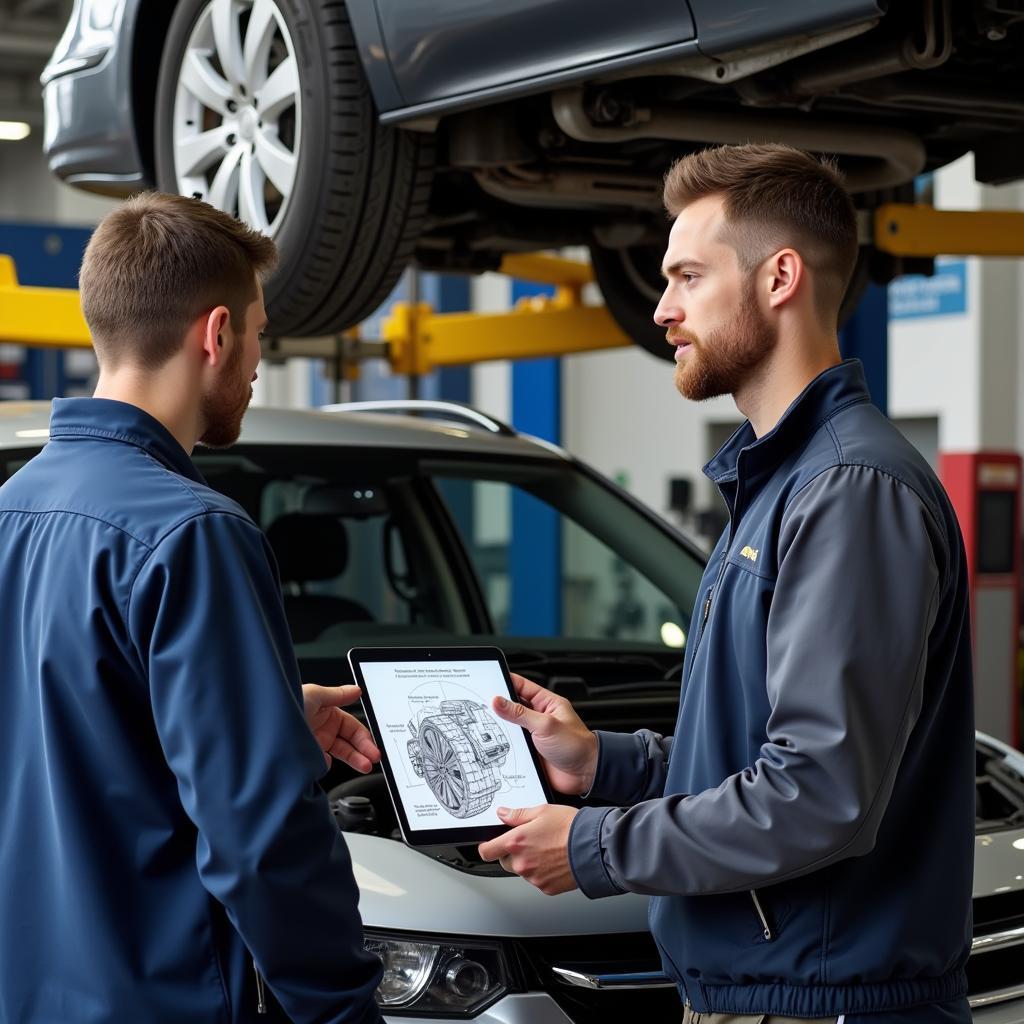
{"x": 29, "y": 30}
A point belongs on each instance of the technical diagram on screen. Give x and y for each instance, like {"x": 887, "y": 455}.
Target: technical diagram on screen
{"x": 449, "y": 761}
{"x": 459, "y": 750}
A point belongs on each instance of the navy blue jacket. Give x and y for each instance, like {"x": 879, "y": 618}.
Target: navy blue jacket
{"x": 808, "y": 831}
{"x": 160, "y": 805}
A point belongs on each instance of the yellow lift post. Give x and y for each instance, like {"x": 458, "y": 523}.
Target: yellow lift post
{"x": 416, "y": 340}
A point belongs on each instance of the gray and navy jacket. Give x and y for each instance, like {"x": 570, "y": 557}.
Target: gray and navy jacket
{"x": 808, "y": 831}
{"x": 160, "y": 806}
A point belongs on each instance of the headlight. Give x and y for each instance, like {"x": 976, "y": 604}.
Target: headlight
{"x": 455, "y": 978}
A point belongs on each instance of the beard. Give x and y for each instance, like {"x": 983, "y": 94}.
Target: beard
{"x": 725, "y": 359}
{"x": 222, "y": 411}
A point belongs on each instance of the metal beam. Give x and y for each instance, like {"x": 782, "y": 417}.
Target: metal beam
{"x": 420, "y": 340}
{"x": 908, "y": 230}
{"x": 542, "y": 269}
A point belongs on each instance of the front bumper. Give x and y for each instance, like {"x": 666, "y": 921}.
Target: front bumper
{"x": 520, "y": 1008}
{"x": 90, "y": 134}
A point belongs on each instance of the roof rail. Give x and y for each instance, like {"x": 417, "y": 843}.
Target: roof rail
{"x": 428, "y": 409}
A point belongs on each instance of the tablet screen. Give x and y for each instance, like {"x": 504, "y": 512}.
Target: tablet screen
{"x": 449, "y": 760}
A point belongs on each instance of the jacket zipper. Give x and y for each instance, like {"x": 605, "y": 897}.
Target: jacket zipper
{"x": 706, "y": 614}
{"x": 721, "y": 572}
{"x": 261, "y": 995}
{"x": 768, "y": 936}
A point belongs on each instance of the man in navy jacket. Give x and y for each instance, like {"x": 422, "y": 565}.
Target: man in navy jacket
{"x": 808, "y": 830}
{"x": 163, "y": 827}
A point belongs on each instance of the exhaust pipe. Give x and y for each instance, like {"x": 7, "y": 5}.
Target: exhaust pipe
{"x": 893, "y": 156}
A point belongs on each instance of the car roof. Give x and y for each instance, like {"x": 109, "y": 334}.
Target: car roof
{"x": 25, "y": 424}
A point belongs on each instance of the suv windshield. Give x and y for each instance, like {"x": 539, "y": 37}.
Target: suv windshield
{"x": 380, "y": 547}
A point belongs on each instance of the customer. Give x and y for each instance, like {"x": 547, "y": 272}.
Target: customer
{"x": 808, "y": 831}
{"x": 161, "y": 814}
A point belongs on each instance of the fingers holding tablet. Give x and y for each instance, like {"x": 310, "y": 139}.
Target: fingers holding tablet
{"x": 536, "y": 847}
{"x": 568, "y": 749}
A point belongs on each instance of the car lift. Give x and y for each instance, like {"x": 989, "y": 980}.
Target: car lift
{"x": 416, "y": 340}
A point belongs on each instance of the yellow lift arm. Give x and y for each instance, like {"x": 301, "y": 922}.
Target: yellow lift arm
{"x": 39, "y": 316}
{"x": 907, "y": 230}
{"x": 416, "y": 340}
{"x": 419, "y": 339}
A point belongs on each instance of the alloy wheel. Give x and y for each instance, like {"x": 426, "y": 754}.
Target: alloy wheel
{"x": 237, "y": 112}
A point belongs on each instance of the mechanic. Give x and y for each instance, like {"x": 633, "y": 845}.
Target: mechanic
{"x": 160, "y": 760}
{"x": 807, "y": 833}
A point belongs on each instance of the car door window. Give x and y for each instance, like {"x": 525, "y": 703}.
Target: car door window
{"x": 356, "y": 555}
{"x": 546, "y": 572}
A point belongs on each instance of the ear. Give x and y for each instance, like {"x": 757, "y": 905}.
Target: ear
{"x": 214, "y": 325}
{"x": 786, "y": 275}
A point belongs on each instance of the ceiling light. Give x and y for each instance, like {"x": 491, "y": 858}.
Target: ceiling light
{"x": 13, "y": 131}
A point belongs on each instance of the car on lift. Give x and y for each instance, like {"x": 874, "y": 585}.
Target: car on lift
{"x": 364, "y": 134}
{"x": 453, "y": 529}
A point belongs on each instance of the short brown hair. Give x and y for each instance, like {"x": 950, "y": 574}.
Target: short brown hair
{"x": 157, "y": 262}
{"x": 776, "y": 196}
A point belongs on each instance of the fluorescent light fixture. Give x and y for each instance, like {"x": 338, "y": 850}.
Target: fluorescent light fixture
{"x": 13, "y": 131}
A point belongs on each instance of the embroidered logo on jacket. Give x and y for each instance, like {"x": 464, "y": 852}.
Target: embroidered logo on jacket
{"x": 749, "y": 552}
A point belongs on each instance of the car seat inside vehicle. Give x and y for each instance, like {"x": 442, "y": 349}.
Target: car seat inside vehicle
{"x": 312, "y": 547}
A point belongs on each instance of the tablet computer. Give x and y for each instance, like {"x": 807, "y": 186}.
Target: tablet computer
{"x": 448, "y": 760}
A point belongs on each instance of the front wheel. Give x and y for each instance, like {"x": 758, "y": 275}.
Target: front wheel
{"x": 631, "y": 284}
{"x": 263, "y": 111}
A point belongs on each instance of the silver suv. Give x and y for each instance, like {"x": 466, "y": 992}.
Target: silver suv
{"x": 390, "y": 529}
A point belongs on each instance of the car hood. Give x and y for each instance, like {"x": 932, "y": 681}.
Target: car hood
{"x": 999, "y": 862}
{"x": 402, "y": 889}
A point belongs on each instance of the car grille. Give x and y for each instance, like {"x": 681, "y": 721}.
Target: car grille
{"x": 995, "y": 972}
{"x": 601, "y": 954}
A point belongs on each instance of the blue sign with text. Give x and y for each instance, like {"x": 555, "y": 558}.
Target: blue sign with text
{"x": 942, "y": 294}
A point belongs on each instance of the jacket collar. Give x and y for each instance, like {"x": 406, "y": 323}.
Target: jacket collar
{"x": 830, "y": 391}
{"x": 119, "y": 421}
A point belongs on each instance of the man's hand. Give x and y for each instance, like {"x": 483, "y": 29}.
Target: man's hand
{"x": 537, "y": 847}
{"x": 338, "y": 733}
{"x": 568, "y": 748}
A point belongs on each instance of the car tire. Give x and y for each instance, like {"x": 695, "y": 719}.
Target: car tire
{"x": 631, "y": 283}
{"x": 350, "y": 208}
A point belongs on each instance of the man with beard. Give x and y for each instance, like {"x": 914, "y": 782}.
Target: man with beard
{"x": 165, "y": 833}
{"x": 807, "y": 833}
